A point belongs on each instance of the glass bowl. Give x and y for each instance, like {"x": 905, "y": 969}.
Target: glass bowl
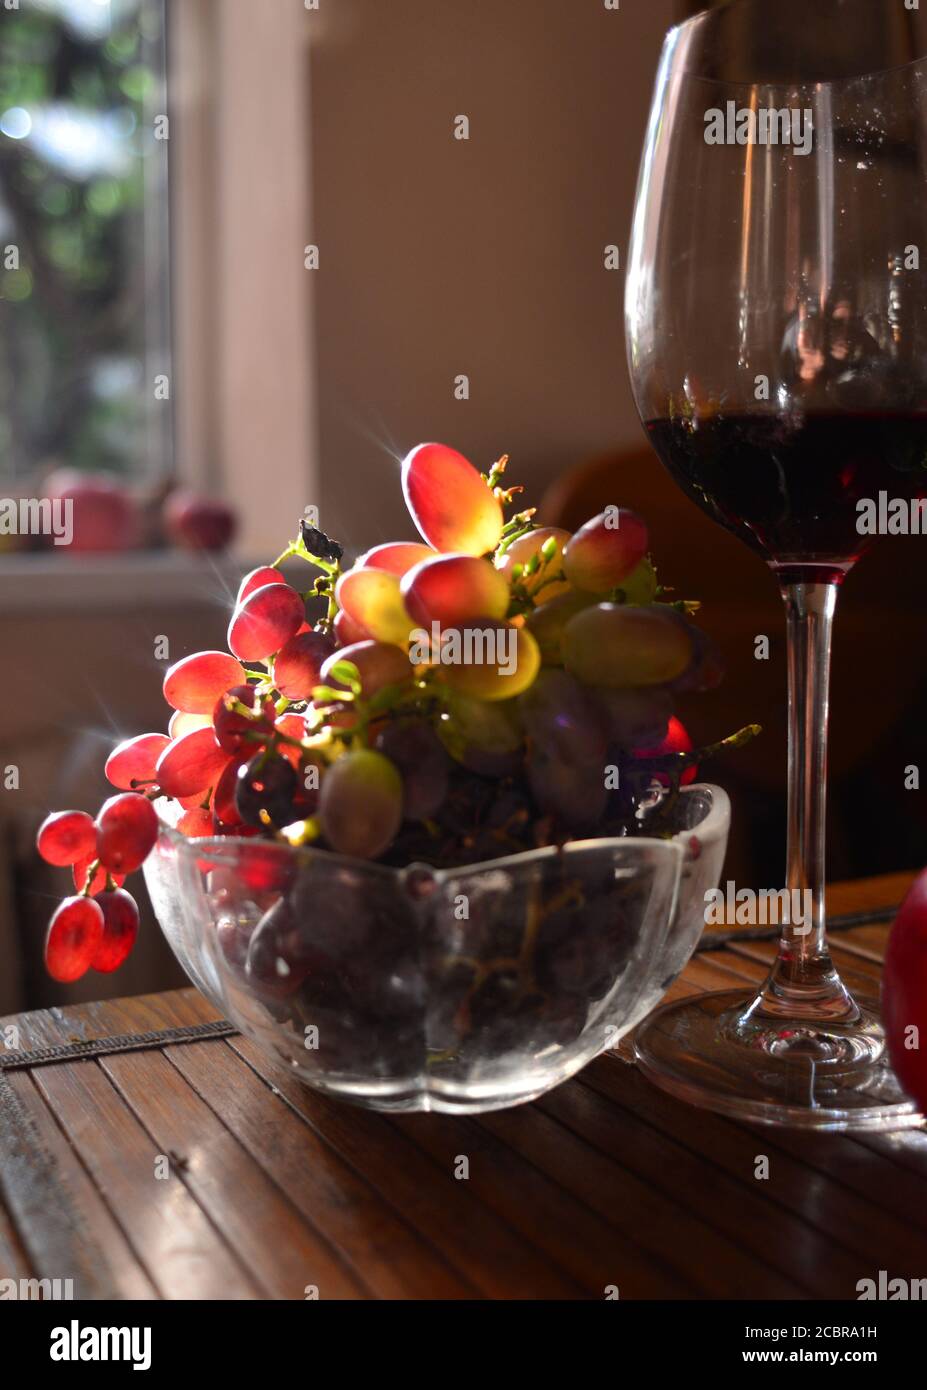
{"x": 420, "y": 989}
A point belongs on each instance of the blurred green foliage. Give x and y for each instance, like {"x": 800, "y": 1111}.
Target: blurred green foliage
{"x": 72, "y": 313}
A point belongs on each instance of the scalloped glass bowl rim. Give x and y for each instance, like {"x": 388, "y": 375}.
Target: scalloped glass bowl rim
{"x": 227, "y": 847}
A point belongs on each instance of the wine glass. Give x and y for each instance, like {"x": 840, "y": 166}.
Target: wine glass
{"x": 777, "y": 337}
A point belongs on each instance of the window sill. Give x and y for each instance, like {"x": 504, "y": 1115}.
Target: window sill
{"x": 43, "y": 582}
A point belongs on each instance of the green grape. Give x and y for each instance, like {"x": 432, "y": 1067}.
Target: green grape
{"x": 619, "y": 646}
{"x": 360, "y": 804}
{"x": 486, "y": 738}
{"x": 497, "y": 661}
{"x": 547, "y": 622}
{"x": 641, "y": 584}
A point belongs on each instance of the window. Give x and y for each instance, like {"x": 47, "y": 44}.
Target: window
{"x": 83, "y": 285}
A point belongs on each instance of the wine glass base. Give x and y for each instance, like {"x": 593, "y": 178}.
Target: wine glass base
{"x": 712, "y": 1050}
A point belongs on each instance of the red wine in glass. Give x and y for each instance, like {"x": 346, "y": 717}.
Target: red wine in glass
{"x": 776, "y": 317}
{"x": 805, "y": 490}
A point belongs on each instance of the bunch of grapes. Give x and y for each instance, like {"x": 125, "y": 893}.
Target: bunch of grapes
{"x": 496, "y": 686}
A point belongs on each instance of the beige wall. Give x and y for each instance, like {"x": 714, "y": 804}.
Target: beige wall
{"x": 87, "y": 677}
{"x": 485, "y": 257}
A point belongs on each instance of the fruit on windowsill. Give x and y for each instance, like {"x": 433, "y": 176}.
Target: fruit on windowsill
{"x": 195, "y": 522}
{"x": 105, "y": 517}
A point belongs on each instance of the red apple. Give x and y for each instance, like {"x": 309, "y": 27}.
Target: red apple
{"x": 104, "y": 515}
{"x": 904, "y": 991}
{"x": 196, "y": 522}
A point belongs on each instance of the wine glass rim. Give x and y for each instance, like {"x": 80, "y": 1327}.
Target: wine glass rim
{"x": 687, "y": 26}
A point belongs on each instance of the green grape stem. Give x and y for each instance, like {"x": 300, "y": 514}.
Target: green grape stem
{"x": 519, "y": 525}
{"x": 92, "y": 870}
{"x": 671, "y": 762}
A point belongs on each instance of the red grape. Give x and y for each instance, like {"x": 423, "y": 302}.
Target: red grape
{"x": 223, "y": 801}
{"x": 397, "y": 557}
{"x": 521, "y": 551}
{"x": 265, "y": 622}
{"x": 677, "y": 741}
{"x": 66, "y": 836}
{"x": 74, "y": 935}
{"x": 266, "y": 868}
{"x": 191, "y": 764}
{"x": 347, "y": 631}
{"x": 454, "y": 589}
{"x": 378, "y": 664}
{"x": 257, "y": 579}
{"x": 904, "y": 992}
{"x": 360, "y": 806}
{"x": 294, "y": 726}
{"x": 100, "y": 876}
{"x": 450, "y": 502}
{"x": 195, "y": 823}
{"x": 127, "y": 828}
{"x": 195, "y": 683}
{"x": 298, "y": 663}
{"x": 234, "y": 732}
{"x": 605, "y": 551}
{"x": 619, "y": 645}
{"x": 200, "y": 798}
{"x": 134, "y": 760}
{"x": 181, "y": 723}
{"x": 372, "y": 599}
{"x": 120, "y": 928}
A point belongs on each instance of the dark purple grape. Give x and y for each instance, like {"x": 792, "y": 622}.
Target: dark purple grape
{"x": 280, "y": 953}
{"x": 265, "y": 791}
{"x": 486, "y": 738}
{"x": 558, "y": 713}
{"x": 571, "y": 960}
{"x": 419, "y": 754}
{"x": 573, "y": 792}
{"x": 566, "y": 749}
{"x": 707, "y": 669}
{"x": 634, "y": 718}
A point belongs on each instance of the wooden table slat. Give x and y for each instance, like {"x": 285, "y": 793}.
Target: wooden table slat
{"x": 543, "y": 1209}
{"x": 390, "y": 1258}
{"x": 739, "y": 1210}
{"x": 486, "y": 1251}
{"x": 214, "y": 1165}
{"x": 127, "y": 1275}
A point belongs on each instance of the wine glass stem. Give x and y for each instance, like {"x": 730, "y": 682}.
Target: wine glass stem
{"x": 803, "y": 981}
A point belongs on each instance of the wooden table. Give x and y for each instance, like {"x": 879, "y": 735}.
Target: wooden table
{"x": 195, "y": 1170}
